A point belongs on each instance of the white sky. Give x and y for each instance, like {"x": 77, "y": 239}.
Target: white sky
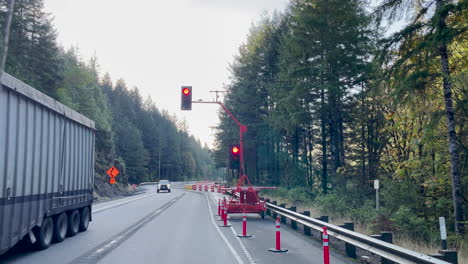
{"x": 159, "y": 46}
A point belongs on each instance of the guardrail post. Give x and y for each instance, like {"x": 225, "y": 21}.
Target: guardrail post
{"x": 323, "y": 218}
{"x": 307, "y": 230}
{"x": 268, "y": 212}
{"x": 448, "y": 255}
{"x": 283, "y": 218}
{"x": 293, "y": 223}
{"x": 274, "y": 213}
{"x": 386, "y": 237}
{"x": 350, "y": 249}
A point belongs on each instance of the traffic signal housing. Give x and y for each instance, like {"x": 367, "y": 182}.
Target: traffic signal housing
{"x": 186, "y": 98}
{"x": 234, "y": 157}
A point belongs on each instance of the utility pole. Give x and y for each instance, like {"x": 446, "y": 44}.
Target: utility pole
{"x": 159, "y": 163}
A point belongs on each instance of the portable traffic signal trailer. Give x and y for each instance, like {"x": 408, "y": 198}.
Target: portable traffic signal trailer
{"x": 245, "y": 198}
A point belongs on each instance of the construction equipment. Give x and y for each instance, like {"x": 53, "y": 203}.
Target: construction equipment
{"x": 245, "y": 198}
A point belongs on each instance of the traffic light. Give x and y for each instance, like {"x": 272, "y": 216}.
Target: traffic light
{"x": 186, "y": 98}
{"x": 234, "y": 157}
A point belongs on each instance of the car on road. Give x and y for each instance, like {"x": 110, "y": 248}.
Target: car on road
{"x": 164, "y": 185}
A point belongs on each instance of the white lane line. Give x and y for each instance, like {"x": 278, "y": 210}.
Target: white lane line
{"x": 122, "y": 203}
{"x": 242, "y": 245}
{"x": 231, "y": 248}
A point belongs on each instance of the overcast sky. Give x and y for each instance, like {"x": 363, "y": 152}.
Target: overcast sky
{"x": 159, "y": 46}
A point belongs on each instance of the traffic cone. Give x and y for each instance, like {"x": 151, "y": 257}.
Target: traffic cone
{"x": 326, "y": 248}
{"x": 278, "y": 248}
{"x": 225, "y": 222}
{"x": 244, "y": 226}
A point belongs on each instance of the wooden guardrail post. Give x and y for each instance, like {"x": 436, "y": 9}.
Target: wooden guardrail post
{"x": 293, "y": 223}
{"x": 350, "y": 249}
{"x": 283, "y": 218}
{"x": 307, "y": 230}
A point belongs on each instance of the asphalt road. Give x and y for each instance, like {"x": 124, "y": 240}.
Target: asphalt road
{"x": 176, "y": 227}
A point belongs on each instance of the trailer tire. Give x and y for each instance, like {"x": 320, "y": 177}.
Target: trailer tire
{"x": 44, "y": 234}
{"x": 73, "y": 223}
{"x": 84, "y": 219}
{"x": 60, "y": 227}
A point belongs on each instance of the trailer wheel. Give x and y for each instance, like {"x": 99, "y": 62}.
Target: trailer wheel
{"x": 84, "y": 219}
{"x": 73, "y": 223}
{"x": 60, "y": 227}
{"x": 44, "y": 234}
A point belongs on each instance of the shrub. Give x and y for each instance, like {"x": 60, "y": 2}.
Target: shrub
{"x": 331, "y": 204}
{"x": 382, "y": 222}
{"x": 298, "y": 195}
{"x": 365, "y": 213}
{"x": 408, "y": 222}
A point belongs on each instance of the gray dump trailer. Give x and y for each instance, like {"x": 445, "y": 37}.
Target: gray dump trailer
{"x": 46, "y": 167}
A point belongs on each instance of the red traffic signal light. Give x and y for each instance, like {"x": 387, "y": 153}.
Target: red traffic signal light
{"x": 234, "y": 157}
{"x": 186, "y": 98}
{"x": 235, "y": 150}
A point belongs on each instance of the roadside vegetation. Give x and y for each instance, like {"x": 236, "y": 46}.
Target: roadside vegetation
{"x": 334, "y": 99}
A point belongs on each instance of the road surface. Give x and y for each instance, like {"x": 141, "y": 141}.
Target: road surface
{"x": 176, "y": 227}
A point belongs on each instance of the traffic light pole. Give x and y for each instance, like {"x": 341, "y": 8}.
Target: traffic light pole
{"x": 242, "y": 130}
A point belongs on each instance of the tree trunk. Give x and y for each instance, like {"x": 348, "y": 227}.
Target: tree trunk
{"x": 452, "y": 135}
{"x": 324, "y": 142}
{"x": 363, "y": 140}
{"x": 6, "y": 35}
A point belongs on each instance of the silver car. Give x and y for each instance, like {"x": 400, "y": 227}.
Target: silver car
{"x": 164, "y": 185}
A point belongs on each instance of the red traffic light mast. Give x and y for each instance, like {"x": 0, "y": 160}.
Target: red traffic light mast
{"x": 242, "y": 130}
{"x": 245, "y": 198}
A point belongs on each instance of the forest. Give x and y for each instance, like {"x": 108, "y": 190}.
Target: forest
{"x": 333, "y": 99}
{"x": 142, "y": 141}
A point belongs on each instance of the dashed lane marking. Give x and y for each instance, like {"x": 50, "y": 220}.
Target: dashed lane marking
{"x": 94, "y": 255}
{"x": 231, "y": 248}
{"x": 242, "y": 245}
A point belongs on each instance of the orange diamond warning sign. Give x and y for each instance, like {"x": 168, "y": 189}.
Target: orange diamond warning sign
{"x": 112, "y": 172}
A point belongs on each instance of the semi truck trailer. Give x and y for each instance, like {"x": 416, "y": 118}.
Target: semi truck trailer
{"x": 46, "y": 167}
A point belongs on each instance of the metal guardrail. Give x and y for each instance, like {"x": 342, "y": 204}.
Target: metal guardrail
{"x": 386, "y": 250}
{"x": 147, "y": 183}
